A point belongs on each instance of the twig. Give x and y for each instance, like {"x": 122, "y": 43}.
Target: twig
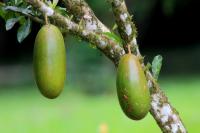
{"x": 46, "y": 19}
{"x": 126, "y": 27}
{"x": 110, "y": 48}
{"x": 18, "y": 10}
{"x": 165, "y": 115}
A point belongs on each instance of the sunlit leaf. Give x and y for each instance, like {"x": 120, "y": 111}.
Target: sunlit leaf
{"x": 61, "y": 10}
{"x": 114, "y": 27}
{"x": 156, "y": 66}
{"x": 114, "y": 37}
{"x": 52, "y": 4}
{"x": 55, "y": 2}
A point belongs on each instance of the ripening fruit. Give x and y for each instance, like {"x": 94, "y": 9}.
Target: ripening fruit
{"x": 49, "y": 61}
{"x": 133, "y": 94}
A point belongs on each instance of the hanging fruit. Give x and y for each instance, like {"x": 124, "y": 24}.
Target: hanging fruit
{"x": 133, "y": 94}
{"x": 49, "y": 61}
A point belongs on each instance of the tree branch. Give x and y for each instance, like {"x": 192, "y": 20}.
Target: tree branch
{"x": 83, "y": 13}
{"x": 20, "y": 11}
{"x": 165, "y": 115}
{"x": 109, "y": 47}
{"x": 126, "y": 27}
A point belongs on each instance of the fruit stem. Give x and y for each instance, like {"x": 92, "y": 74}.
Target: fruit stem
{"x": 129, "y": 49}
{"x": 46, "y": 19}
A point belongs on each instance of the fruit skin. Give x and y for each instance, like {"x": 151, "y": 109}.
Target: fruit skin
{"x": 133, "y": 94}
{"x": 49, "y": 61}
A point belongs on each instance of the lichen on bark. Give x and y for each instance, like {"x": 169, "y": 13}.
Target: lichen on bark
{"x": 92, "y": 30}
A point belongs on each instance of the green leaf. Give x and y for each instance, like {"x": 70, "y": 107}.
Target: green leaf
{"x": 156, "y": 66}
{"x": 114, "y": 37}
{"x": 55, "y": 2}
{"x": 49, "y": 3}
{"x": 92, "y": 46}
{"x": 61, "y": 10}
{"x": 18, "y": 2}
{"x": 26, "y": 11}
{"x": 24, "y": 30}
{"x": 2, "y": 12}
{"x": 114, "y": 27}
{"x": 11, "y": 22}
{"x": 52, "y": 4}
{"x": 22, "y": 21}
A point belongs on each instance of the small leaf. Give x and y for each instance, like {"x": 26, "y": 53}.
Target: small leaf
{"x": 11, "y": 22}
{"x": 2, "y": 11}
{"x": 92, "y": 46}
{"x": 24, "y": 30}
{"x": 22, "y": 21}
{"x": 18, "y": 2}
{"x": 55, "y": 2}
{"x": 61, "y": 10}
{"x": 114, "y": 27}
{"x": 114, "y": 37}
{"x": 52, "y": 4}
{"x": 26, "y": 11}
{"x": 156, "y": 66}
{"x": 49, "y": 3}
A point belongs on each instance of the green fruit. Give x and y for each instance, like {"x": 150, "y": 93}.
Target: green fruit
{"x": 133, "y": 94}
{"x": 49, "y": 61}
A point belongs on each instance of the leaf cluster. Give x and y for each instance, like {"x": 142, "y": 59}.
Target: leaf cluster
{"x": 19, "y": 11}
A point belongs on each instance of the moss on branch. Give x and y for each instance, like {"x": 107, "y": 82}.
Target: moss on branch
{"x": 92, "y": 31}
{"x": 82, "y": 12}
{"x": 165, "y": 115}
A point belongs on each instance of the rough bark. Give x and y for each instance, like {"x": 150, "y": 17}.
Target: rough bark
{"x": 165, "y": 115}
{"x": 126, "y": 27}
{"x": 87, "y": 26}
{"x": 83, "y": 13}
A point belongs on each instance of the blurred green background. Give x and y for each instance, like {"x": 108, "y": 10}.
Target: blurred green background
{"x": 167, "y": 27}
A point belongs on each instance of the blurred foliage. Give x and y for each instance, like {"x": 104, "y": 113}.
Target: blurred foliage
{"x": 88, "y": 68}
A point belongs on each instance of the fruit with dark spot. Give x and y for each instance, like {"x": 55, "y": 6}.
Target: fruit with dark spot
{"x": 49, "y": 61}
{"x": 133, "y": 94}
